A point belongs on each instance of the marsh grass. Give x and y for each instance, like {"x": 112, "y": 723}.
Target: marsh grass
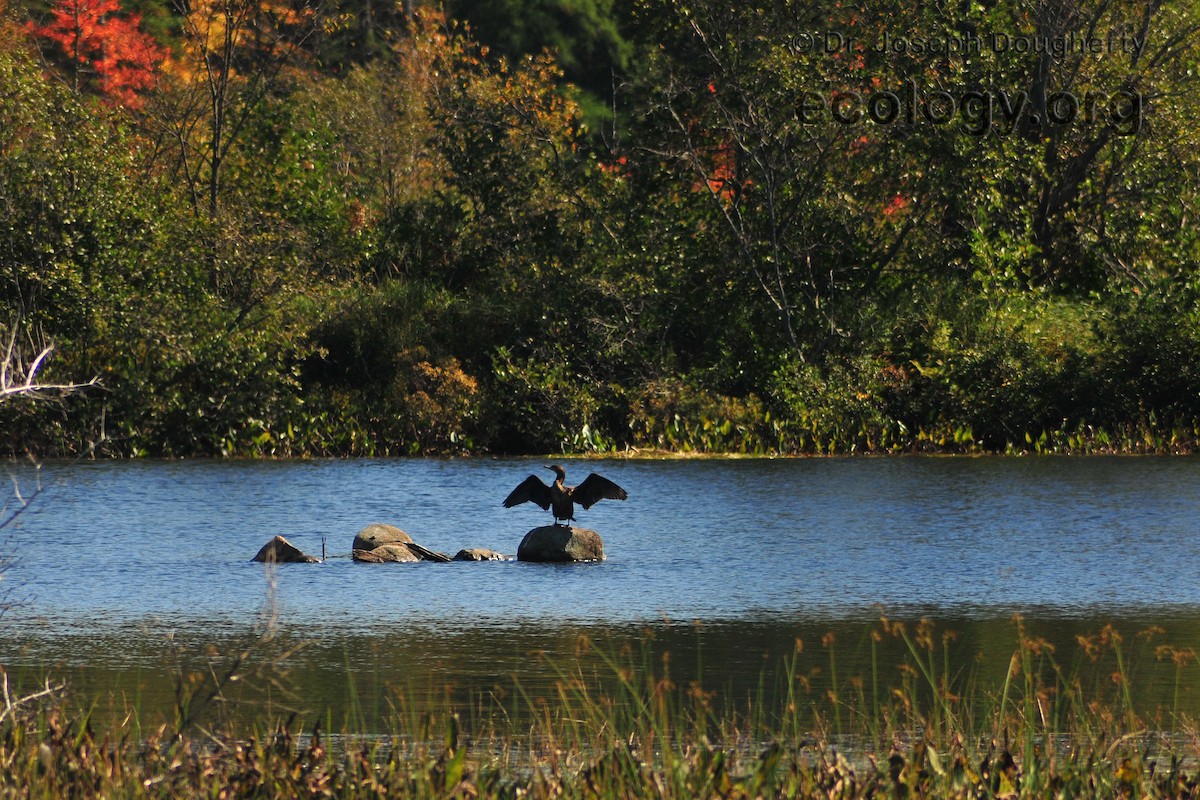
{"x": 614, "y": 723}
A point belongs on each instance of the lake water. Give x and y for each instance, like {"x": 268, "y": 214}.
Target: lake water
{"x": 122, "y": 570}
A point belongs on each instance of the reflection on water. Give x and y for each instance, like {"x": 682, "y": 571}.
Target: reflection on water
{"x": 359, "y": 678}
{"x": 127, "y": 572}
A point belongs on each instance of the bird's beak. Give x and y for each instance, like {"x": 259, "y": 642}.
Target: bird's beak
{"x": 549, "y": 468}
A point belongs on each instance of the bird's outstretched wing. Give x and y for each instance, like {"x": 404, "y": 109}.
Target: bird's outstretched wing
{"x": 532, "y": 489}
{"x": 596, "y": 488}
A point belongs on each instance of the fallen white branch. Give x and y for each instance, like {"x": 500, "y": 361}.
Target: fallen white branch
{"x": 13, "y": 705}
{"x": 20, "y": 380}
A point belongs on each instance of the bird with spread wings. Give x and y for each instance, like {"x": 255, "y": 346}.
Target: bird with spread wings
{"x": 559, "y": 498}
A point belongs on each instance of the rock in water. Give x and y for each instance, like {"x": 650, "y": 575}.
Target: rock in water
{"x": 479, "y": 554}
{"x": 377, "y": 534}
{"x": 280, "y": 551}
{"x": 386, "y": 553}
{"x": 378, "y": 543}
{"x": 559, "y": 543}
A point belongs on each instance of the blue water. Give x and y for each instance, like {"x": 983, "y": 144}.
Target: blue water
{"x": 123, "y": 575}
{"x": 119, "y": 542}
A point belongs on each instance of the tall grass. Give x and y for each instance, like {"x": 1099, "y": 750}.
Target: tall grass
{"x": 616, "y": 724}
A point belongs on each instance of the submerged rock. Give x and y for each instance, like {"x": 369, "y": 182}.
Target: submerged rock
{"x": 280, "y": 551}
{"x": 381, "y": 543}
{"x": 377, "y": 534}
{"x": 558, "y": 543}
{"x": 480, "y": 554}
{"x": 396, "y": 552}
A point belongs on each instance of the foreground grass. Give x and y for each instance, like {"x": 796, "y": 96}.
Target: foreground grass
{"x": 629, "y": 731}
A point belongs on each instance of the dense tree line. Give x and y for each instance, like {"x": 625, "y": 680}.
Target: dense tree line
{"x": 302, "y": 227}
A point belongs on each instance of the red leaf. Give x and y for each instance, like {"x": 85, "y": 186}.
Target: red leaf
{"x": 107, "y": 49}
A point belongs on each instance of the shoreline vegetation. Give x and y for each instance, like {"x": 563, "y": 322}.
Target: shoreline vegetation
{"x": 294, "y": 228}
{"x": 1055, "y": 725}
{"x": 304, "y": 228}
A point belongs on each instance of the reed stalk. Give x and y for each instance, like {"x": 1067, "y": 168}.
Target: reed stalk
{"x": 614, "y": 724}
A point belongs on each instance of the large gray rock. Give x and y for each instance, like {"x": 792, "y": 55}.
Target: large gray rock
{"x": 480, "y": 554}
{"x": 396, "y": 552}
{"x": 377, "y": 534}
{"x": 559, "y": 543}
{"x": 280, "y": 551}
{"x": 379, "y": 543}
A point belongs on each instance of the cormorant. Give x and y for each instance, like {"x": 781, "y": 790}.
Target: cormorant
{"x": 561, "y": 499}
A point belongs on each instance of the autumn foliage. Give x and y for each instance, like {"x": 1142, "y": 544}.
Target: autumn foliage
{"x": 103, "y": 48}
{"x": 355, "y": 228}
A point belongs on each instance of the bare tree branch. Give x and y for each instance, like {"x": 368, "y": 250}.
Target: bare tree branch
{"x": 13, "y": 706}
{"x": 18, "y": 377}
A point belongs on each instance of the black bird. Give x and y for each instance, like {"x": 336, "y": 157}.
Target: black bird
{"x": 561, "y": 499}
